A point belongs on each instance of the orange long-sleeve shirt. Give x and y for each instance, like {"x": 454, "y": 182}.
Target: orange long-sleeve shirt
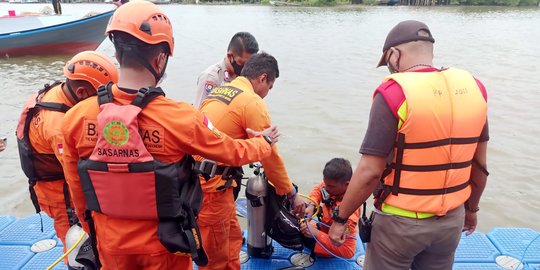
{"x": 170, "y": 130}
{"x": 45, "y": 135}
{"x": 349, "y": 247}
{"x": 232, "y": 110}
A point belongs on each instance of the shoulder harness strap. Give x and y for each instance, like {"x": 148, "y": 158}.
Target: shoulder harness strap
{"x": 53, "y": 106}
{"x": 145, "y": 95}
{"x": 48, "y": 87}
{"x": 104, "y": 93}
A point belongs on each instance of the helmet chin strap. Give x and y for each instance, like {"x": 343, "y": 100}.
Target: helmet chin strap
{"x": 71, "y": 92}
{"x": 149, "y": 67}
{"x": 120, "y": 50}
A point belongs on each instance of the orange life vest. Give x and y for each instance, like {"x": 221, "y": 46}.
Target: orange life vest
{"x": 121, "y": 179}
{"x": 435, "y": 145}
{"x": 37, "y": 166}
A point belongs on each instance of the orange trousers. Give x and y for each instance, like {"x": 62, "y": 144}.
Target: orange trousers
{"x": 220, "y": 231}
{"x": 61, "y": 222}
{"x": 164, "y": 261}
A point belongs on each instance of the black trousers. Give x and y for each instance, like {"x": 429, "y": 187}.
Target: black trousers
{"x": 57, "y": 7}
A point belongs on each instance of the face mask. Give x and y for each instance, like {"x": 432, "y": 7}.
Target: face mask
{"x": 390, "y": 67}
{"x": 236, "y": 67}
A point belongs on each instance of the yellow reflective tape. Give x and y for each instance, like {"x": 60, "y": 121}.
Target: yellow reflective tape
{"x": 404, "y": 213}
{"x": 402, "y": 114}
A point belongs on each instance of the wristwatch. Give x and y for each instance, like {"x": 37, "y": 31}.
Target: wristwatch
{"x": 268, "y": 139}
{"x": 336, "y": 217}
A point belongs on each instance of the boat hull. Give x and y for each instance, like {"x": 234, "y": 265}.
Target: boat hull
{"x": 66, "y": 38}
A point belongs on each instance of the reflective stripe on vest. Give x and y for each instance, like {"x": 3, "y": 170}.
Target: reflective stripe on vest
{"x": 436, "y": 142}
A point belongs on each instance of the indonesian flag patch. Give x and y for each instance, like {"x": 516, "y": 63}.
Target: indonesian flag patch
{"x": 211, "y": 127}
{"x": 60, "y": 149}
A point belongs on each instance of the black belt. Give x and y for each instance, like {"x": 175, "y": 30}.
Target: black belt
{"x": 209, "y": 168}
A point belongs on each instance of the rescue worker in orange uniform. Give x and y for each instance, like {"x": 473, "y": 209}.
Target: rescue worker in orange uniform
{"x": 241, "y": 47}
{"x": 40, "y": 137}
{"x": 170, "y": 131}
{"x": 430, "y": 124}
{"x": 328, "y": 194}
{"x": 233, "y": 108}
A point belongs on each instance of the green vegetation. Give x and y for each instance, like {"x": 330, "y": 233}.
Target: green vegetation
{"x": 512, "y": 3}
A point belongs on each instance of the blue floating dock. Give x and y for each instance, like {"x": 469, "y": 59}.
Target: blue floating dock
{"x": 27, "y": 231}
{"x": 476, "y": 266}
{"x": 514, "y": 241}
{"x": 477, "y": 251}
{"x": 14, "y": 257}
{"x": 5, "y": 221}
{"x": 42, "y": 260}
{"x": 475, "y": 248}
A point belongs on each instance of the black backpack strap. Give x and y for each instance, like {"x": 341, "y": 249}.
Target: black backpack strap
{"x": 53, "y": 106}
{"x": 232, "y": 174}
{"x": 47, "y": 87}
{"x": 72, "y": 217}
{"x": 33, "y": 195}
{"x": 88, "y": 218}
{"x": 104, "y": 93}
{"x": 145, "y": 95}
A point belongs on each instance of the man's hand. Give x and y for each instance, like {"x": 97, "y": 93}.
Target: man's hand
{"x": 312, "y": 227}
{"x": 2, "y": 145}
{"x": 337, "y": 233}
{"x": 470, "y": 222}
{"x": 272, "y": 132}
{"x": 299, "y": 206}
{"x": 310, "y": 210}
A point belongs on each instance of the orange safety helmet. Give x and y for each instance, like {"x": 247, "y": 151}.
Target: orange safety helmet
{"x": 143, "y": 20}
{"x": 93, "y": 67}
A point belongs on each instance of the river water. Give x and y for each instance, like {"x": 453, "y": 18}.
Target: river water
{"x": 321, "y": 101}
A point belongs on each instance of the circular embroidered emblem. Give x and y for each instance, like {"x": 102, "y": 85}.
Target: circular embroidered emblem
{"x": 116, "y": 133}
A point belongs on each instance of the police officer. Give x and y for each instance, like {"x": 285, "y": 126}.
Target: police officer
{"x": 240, "y": 49}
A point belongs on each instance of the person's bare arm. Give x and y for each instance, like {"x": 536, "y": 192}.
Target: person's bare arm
{"x": 478, "y": 183}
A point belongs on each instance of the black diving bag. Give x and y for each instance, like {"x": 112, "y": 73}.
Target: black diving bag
{"x": 181, "y": 235}
{"x": 281, "y": 225}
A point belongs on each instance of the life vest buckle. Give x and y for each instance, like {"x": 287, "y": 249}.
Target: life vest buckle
{"x": 208, "y": 167}
{"x": 226, "y": 174}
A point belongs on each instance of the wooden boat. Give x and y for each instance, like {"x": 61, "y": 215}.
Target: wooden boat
{"x": 64, "y": 38}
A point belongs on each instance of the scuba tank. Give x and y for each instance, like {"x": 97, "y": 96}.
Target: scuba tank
{"x": 259, "y": 245}
{"x": 72, "y": 235}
